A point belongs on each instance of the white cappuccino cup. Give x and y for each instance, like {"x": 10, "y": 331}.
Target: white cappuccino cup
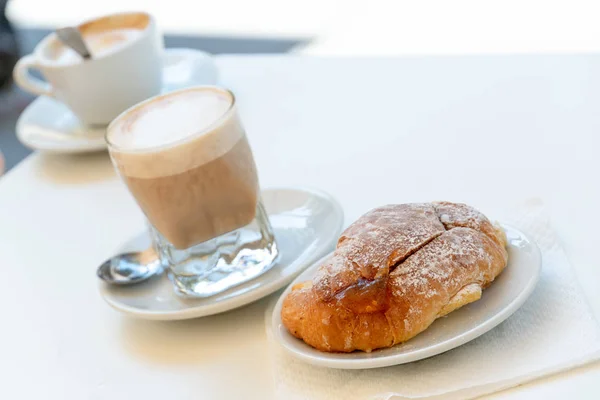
{"x": 125, "y": 67}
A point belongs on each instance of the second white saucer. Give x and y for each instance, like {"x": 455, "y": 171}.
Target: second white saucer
{"x": 48, "y": 125}
{"x": 510, "y": 290}
{"x": 306, "y": 223}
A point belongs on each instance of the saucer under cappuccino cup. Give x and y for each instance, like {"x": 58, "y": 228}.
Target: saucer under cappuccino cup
{"x": 125, "y": 68}
{"x": 186, "y": 160}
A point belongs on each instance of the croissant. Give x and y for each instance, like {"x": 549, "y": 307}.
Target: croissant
{"x": 394, "y": 271}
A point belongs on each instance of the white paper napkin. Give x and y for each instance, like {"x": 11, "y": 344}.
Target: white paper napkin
{"x": 553, "y": 331}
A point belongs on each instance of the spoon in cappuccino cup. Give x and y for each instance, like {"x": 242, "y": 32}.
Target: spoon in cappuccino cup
{"x": 71, "y": 37}
{"x": 130, "y": 268}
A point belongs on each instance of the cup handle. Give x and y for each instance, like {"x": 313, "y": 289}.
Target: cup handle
{"x": 24, "y": 79}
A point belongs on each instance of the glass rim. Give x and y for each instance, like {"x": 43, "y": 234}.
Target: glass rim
{"x": 193, "y": 135}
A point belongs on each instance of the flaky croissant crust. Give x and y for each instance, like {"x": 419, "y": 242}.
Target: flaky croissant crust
{"x": 394, "y": 271}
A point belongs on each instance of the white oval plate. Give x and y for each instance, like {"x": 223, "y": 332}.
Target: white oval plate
{"x": 49, "y": 125}
{"x": 498, "y": 302}
{"x": 306, "y": 223}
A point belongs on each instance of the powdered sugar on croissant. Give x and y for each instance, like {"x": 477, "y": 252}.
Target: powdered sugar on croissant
{"x": 394, "y": 271}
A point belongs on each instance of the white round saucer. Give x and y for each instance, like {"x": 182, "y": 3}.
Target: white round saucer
{"x": 49, "y": 125}
{"x": 498, "y": 302}
{"x": 306, "y": 223}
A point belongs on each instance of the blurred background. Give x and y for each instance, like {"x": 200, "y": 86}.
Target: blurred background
{"x": 310, "y": 27}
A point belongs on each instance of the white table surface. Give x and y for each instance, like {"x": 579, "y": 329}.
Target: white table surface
{"x": 490, "y": 131}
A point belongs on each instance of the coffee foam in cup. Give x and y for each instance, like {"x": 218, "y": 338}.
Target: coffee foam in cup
{"x": 103, "y": 36}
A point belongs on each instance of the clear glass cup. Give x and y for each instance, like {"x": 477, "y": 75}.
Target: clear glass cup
{"x": 186, "y": 160}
